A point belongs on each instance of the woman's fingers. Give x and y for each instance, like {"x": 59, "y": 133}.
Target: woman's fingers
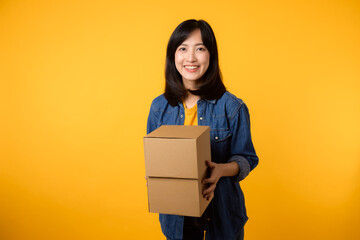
{"x": 211, "y": 182}
{"x": 210, "y": 189}
{"x": 208, "y": 180}
{"x": 208, "y": 196}
{"x": 210, "y": 164}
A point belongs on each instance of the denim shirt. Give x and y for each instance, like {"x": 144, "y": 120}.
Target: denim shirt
{"x": 229, "y": 121}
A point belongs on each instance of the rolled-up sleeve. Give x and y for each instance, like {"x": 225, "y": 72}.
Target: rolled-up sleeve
{"x": 242, "y": 150}
{"x": 244, "y": 167}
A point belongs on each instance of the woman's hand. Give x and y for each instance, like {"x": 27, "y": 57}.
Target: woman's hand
{"x": 216, "y": 172}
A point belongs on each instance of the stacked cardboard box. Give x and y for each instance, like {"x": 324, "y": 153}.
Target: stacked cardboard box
{"x": 175, "y": 166}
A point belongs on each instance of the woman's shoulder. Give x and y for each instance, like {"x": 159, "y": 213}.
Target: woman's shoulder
{"x": 159, "y": 100}
{"x": 231, "y": 103}
{"x": 159, "y": 103}
{"x": 230, "y": 98}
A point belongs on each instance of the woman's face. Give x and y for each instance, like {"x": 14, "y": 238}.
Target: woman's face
{"x": 192, "y": 59}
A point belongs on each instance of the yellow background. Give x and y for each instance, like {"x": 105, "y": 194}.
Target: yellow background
{"x": 76, "y": 82}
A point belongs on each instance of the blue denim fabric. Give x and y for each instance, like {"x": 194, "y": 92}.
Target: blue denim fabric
{"x": 229, "y": 122}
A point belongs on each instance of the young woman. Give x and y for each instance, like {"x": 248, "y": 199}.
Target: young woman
{"x": 195, "y": 95}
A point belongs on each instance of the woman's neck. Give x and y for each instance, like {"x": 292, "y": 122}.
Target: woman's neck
{"x": 190, "y": 100}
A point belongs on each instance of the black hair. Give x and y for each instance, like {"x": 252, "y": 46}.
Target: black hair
{"x": 211, "y": 86}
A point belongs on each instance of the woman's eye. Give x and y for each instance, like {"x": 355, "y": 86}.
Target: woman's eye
{"x": 182, "y": 49}
{"x": 201, "y": 49}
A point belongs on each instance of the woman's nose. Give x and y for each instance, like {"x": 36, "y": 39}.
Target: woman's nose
{"x": 191, "y": 57}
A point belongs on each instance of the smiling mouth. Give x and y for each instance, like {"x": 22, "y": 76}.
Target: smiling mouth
{"x": 191, "y": 67}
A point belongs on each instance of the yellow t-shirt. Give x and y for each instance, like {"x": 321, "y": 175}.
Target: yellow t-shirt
{"x": 190, "y": 115}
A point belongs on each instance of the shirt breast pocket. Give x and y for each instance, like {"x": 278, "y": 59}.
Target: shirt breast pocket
{"x": 220, "y": 144}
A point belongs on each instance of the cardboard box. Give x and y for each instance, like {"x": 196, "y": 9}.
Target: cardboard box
{"x": 175, "y": 166}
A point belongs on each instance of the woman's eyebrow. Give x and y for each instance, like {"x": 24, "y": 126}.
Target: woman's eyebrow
{"x": 197, "y": 44}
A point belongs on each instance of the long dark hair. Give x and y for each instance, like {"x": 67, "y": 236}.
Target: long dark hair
{"x": 211, "y": 86}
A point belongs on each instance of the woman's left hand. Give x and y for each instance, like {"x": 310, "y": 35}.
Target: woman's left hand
{"x": 216, "y": 171}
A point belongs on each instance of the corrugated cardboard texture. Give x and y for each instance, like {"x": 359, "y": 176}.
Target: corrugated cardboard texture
{"x": 167, "y": 158}
{"x": 169, "y": 131}
{"x": 175, "y": 165}
{"x": 177, "y": 151}
{"x": 203, "y": 153}
{"x": 174, "y": 196}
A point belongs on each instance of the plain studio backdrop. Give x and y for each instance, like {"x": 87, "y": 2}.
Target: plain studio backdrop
{"x": 76, "y": 82}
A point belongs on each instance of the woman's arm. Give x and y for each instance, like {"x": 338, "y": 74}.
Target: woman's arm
{"x": 243, "y": 156}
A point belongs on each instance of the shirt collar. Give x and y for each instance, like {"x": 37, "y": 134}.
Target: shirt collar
{"x": 213, "y": 101}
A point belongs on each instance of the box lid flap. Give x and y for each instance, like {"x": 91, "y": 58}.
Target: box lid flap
{"x": 178, "y": 131}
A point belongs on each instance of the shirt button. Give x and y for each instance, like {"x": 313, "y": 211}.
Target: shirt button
{"x": 181, "y": 116}
{"x": 216, "y": 137}
{"x": 201, "y": 118}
